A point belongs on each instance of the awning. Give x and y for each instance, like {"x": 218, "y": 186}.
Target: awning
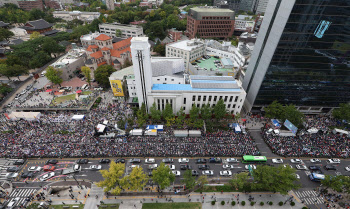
{"x": 49, "y": 90}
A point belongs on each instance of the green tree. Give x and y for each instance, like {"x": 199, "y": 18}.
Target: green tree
{"x": 202, "y": 180}
{"x": 239, "y": 180}
{"x": 50, "y": 46}
{"x": 180, "y": 116}
{"x": 5, "y": 34}
{"x": 220, "y": 109}
{"x": 160, "y": 49}
{"x": 118, "y": 33}
{"x": 140, "y": 118}
{"x": 343, "y": 112}
{"x": 18, "y": 70}
{"x": 34, "y": 35}
{"x": 36, "y": 14}
{"x": 168, "y": 111}
{"x": 274, "y": 110}
{"x": 39, "y": 59}
{"x": 206, "y": 112}
{"x": 136, "y": 180}
{"x": 54, "y": 75}
{"x": 112, "y": 178}
{"x": 334, "y": 182}
{"x": 163, "y": 176}
{"x": 293, "y": 115}
{"x": 194, "y": 113}
{"x": 189, "y": 180}
{"x": 5, "y": 71}
{"x": 155, "y": 113}
{"x": 87, "y": 73}
{"x": 102, "y": 74}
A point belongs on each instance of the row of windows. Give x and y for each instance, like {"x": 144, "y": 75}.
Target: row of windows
{"x": 216, "y": 22}
{"x": 215, "y": 98}
{"x": 228, "y": 106}
{"x": 215, "y": 18}
{"x": 214, "y": 26}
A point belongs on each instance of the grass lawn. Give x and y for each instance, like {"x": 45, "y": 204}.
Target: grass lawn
{"x": 177, "y": 205}
{"x": 59, "y": 100}
{"x": 110, "y": 206}
{"x": 86, "y": 92}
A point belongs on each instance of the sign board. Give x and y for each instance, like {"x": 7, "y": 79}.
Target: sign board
{"x": 117, "y": 88}
{"x": 290, "y": 126}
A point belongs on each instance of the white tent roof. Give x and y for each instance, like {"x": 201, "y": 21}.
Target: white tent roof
{"x": 101, "y": 127}
{"x": 78, "y": 117}
{"x": 25, "y": 115}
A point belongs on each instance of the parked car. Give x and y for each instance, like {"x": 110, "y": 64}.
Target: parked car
{"x": 208, "y": 173}
{"x": 226, "y": 166}
{"x": 231, "y": 160}
{"x": 251, "y": 166}
{"x": 150, "y": 160}
{"x": 315, "y": 160}
{"x": 313, "y": 167}
{"x": 19, "y": 162}
{"x": 215, "y": 160}
{"x": 168, "y": 160}
{"x": 330, "y": 167}
{"x": 195, "y": 173}
{"x": 296, "y": 161}
{"x": 27, "y": 175}
{"x": 95, "y": 167}
{"x": 177, "y": 173}
{"x": 225, "y": 173}
{"x": 82, "y": 161}
{"x": 12, "y": 169}
{"x": 10, "y": 176}
{"x": 201, "y": 160}
{"x": 203, "y": 167}
{"x": 153, "y": 166}
{"x": 51, "y": 162}
{"x": 184, "y": 160}
{"x": 35, "y": 168}
{"x": 301, "y": 167}
{"x": 47, "y": 176}
{"x": 104, "y": 161}
{"x": 186, "y": 167}
{"x": 287, "y": 165}
{"x": 49, "y": 168}
{"x": 135, "y": 160}
{"x": 120, "y": 160}
{"x": 172, "y": 167}
{"x": 333, "y": 161}
{"x": 277, "y": 160}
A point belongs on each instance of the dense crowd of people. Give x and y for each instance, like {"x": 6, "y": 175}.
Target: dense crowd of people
{"x": 57, "y": 135}
{"x": 324, "y": 143}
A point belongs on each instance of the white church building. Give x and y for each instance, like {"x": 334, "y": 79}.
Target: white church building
{"x": 162, "y": 80}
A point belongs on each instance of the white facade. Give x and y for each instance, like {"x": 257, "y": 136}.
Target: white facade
{"x": 265, "y": 46}
{"x": 110, "y": 4}
{"x": 244, "y": 23}
{"x": 127, "y": 30}
{"x": 89, "y": 39}
{"x": 182, "y": 91}
{"x": 261, "y": 6}
{"x": 83, "y": 16}
{"x": 233, "y": 54}
{"x": 189, "y": 50}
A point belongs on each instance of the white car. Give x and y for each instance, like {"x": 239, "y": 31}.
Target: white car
{"x": 208, "y": 173}
{"x": 297, "y": 176}
{"x": 225, "y": 166}
{"x": 10, "y": 176}
{"x": 13, "y": 202}
{"x": 150, "y": 160}
{"x": 301, "y": 167}
{"x": 251, "y": 166}
{"x": 95, "y": 167}
{"x": 277, "y": 160}
{"x": 172, "y": 167}
{"x": 134, "y": 166}
{"x": 347, "y": 168}
{"x": 47, "y": 176}
{"x": 184, "y": 160}
{"x": 225, "y": 173}
{"x": 333, "y": 161}
{"x": 177, "y": 173}
{"x": 153, "y": 166}
{"x": 35, "y": 168}
{"x": 231, "y": 160}
{"x": 296, "y": 161}
{"x": 286, "y": 165}
{"x": 315, "y": 160}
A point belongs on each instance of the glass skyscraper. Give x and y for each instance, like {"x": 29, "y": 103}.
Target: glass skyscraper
{"x": 301, "y": 56}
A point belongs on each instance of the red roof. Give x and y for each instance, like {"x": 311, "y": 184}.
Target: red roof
{"x": 103, "y": 37}
{"x": 117, "y": 53}
{"x": 92, "y": 47}
{"x": 105, "y": 49}
{"x": 102, "y": 63}
{"x": 123, "y": 43}
{"x": 97, "y": 54}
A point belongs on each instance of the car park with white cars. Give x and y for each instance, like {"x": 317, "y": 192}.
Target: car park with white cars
{"x": 277, "y": 160}
{"x": 333, "y": 161}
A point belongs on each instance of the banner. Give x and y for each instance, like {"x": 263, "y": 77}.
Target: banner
{"x": 117, "y": 88}
{"x": 290, "y": 126}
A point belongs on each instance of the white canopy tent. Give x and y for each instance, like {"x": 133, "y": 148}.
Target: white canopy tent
{"x": 312, "y": 130}
{"x": 78, "y": 117}
{"x": 29, "y": 116}
{"x": 340, "y": 131}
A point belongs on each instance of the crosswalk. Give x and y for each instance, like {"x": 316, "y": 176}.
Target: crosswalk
{"x": 22, "y": 194}
{"x": 4, "y": 164}
{"x": 310, "y": 197}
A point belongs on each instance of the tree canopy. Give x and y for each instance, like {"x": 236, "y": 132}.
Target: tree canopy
{"x": 54, "y": 75}
{"x": 277, "y": 110}
{"x": 112, "y": 178}
{"x": 343, "y": 112}
{"x": 87, "y": 73}
{"x": 163, "y": 176}
{"x": 189, "y": 180}
{"x": 5, "y": 34}
{"x": 102, "y": 74}
{"x": 220, "y": 109}
{"x": 136, "y": 180}
{"x": 155, "y": 113}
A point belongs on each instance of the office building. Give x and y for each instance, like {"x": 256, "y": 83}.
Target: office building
{"x": 110, "y": 4}
{"x": 178, "y": 89}
{"x": 31, "y": 4}
{"x": 244, "y": 23}
{"x": 301, "y": 56}
{"x": 206, "y": 22}
{"x": 261, "y": 6}
{"x": 189, "y": 50}
{"x": 231, "y": 4}
{"x": 126, "y": 30}
{"x": 71, "y": 15}
{"x": 248, "y": 5}
{"x": 3, "y": 2}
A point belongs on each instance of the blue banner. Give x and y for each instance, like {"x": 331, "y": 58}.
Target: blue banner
{"x": 290, "y": 126}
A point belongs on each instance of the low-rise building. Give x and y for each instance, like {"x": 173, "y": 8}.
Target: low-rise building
{"x": 126, "y": 30}
{"x": 189, "y": 50}
{"x": 244, "y": 23}
{"x": 71, "y": 15}
{"x": 40, "y": 26}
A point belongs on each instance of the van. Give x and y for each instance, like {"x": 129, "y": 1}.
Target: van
{"x": 43, "y": 73}
{"x": 85, "y": 86}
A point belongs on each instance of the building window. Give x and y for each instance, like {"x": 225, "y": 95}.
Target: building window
{"x": 185, "y": 100}
{"x": 215, "y": 97}
{"x": 229, "y": 105}
{"x": 231, "y": 98}
{"x": 220, "y": 98}
{"x": 184, "y": 108}
{"x": 199, "y": 98}
{"x": 193, "y": 98}
{"x": 225, "y": 100}
{"x": 172, "y": 79}
{"x": 198, "y": 105}
{"x": 204, "y": 98}
{"x": 209, "y": 99}
{"x": 158, "y": 79}
{"x": 234, "y": 106}
{"x": 236, "y": 99}
{"x": 165, "y": 79}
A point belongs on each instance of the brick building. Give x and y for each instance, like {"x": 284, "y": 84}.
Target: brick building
{"x": 206, "y": 22}
{"x": 30, "y": 4}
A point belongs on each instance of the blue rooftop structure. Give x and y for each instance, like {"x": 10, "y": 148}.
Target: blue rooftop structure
{"x": 187, "y": 87}
{"x": 212, "y": 81}
{"x": 226, "y": 62}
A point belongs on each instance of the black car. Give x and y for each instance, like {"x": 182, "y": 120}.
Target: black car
{"x": 19, "y": 162}
{"x": 104, "y": 161}
{"x": 215, "y": 160}
{"x": 82, "y": 161}
{"x": 121, "y": 160}
{"x": 150, "y": 174}
{"x": 330, "y": 167}
{"x": 185, "y": 167}
{"x": 317, "y": 171}
{"x": 313, "y": 167}
{"x": 12, "y": 169}
{"x": 51, "y": 162}
{"x": 135, "y": 160}
{"x": 203, "y": 167}
{"x": 168, "y": 160}
{"x": 195, "y": 173}
{"x": 201, "y": 160}
{"x": 27, "y": 175}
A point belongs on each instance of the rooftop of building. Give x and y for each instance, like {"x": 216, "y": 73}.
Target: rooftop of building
{"x": 127, "y": 73}
{"x": 119, "y": 25}
{"x": 37, "y": 25}
{"x": 76, "y": 12}
{"x": 68, "y": 58}
{"x": 245, "y": 17}
{"x": 90, "y": 36}
{"x": 210, "y": 64}
{"x": 187, "y": 45}
{"x": 205, "y": 11}
{"x": 3, "y": 24}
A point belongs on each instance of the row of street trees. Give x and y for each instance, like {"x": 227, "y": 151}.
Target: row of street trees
{"x": 281, "y": 112}
{"x": 197, "y": 116}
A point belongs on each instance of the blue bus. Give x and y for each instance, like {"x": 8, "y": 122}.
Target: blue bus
{"x": 316, "y": 177}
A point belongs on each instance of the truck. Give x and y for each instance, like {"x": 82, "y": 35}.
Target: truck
{"x": 136, "y": 132}
{"x": 74, "y": 169}
{"x": 151, "y": 132}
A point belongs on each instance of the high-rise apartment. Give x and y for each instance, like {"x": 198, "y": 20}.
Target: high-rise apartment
{"x": 301, "y": 56}
{"x": 206, "y": 22}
